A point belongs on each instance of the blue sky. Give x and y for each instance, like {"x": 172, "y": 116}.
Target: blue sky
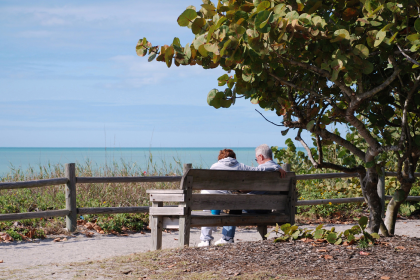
{"x": 70, "y": 77}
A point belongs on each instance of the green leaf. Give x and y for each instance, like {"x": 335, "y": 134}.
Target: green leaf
{"x": 371, "y": 37}
{"x": 380, "y": 36}
{"x": 168, "y": 56}
{"x": 363, "y": 222}
{"x": 367, "y": 67}
{"x": 315, "y": 7}
{"x": 341, "y": 34}
{"x": 197, "y": 25}
{"x": 202, "y": 50}
{"x": 263, "y": 6}
{"x": 222, "y": 51}
{"x": 310, "y": 125}
{"x": 319, "y": 233}
{"x": 186, "y": 17}
{"x": 342, "y": 153}
{"x": 370, "y": 164}
{"x": 413, "y": 37}
{"x": 338, "y": 242}
{"x": 223, "y": 79}
{"x": 200, "y": 40}
{"x": 285, "y": 227}
{"x": 262, "y": 17}
{"x": 417, "y": 25}
{"x": 187, "y": 50}
{"x": 151, "y": 57}
{"x": 361, "y": 50}
{"x": 375, "y": 235}
{"x": 332, "y": 237}
{"x": 280, "y": 9}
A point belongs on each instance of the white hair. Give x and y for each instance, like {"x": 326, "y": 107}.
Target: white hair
{"x": 264, "y": 150}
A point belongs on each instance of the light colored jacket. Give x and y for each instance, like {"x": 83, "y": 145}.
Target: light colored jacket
{"x": 232, "y": 164}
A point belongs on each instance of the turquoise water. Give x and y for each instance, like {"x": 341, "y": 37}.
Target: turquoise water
{"x": 23, "y": 158}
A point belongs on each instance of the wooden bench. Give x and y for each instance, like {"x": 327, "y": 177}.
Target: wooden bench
{"x": 183, "y": 218}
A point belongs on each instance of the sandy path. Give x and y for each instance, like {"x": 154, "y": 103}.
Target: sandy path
{"x": 80, "y": 248}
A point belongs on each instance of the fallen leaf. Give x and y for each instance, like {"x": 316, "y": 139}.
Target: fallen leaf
{"x": 236, "y": 274}
{"x": 57, "y": 239}
{"x": 187, "y": 270}
{"x": 400, "y": 248}
{"x": 102, "y": 232}
{"x": 1, "y": 261}
{"x": 64, "y": 239}
{"x": 345, "y": 243}
{"x": 124, "y": 234}
{"x": 172, "y": 265}
{"x": 148, "y": 228}
{"x": 364, "y": 253}
{"x": 89, "y": 225}
{"x": 385, "y": 277}
{"x": 142, "y": 232}
{"x": 89, "y": 234}
{"x": 321, "y": 250}
{"x": 328, "y": 257}
{"x": 175, "y": 238}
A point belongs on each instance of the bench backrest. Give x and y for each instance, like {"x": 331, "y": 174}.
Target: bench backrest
{"x": 206, "y": 179}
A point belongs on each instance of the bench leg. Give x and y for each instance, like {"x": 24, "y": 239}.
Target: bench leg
{"x": 184, "y": 231}
{"x": 262, "y": 230}
{"x": 156, "y": 224}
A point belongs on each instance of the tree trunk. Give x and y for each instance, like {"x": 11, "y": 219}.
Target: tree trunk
{"x": 369, "y": 182}
{"x": 394, "y": 206}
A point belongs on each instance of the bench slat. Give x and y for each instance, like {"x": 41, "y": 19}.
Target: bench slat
{"x": 238, "y": 220}
{"x": 167, "y": 197}
{"x": 239, "y": 180}
{"x": 165, "y": 191}
{"x": 160, "y": 211}
{"x": 237, "y": 201}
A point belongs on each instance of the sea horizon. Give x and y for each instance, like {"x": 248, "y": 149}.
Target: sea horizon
{"x": 144, "y": 157}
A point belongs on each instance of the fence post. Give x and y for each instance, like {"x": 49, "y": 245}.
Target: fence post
{"x": 381, "y": 191}
{"x": 286, "y": 167}
{"x": 71, "y": 218}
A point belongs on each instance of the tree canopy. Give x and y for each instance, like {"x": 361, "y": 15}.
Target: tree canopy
{"x": 316, "y": 63}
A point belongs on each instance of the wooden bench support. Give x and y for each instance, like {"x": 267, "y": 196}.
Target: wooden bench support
{"x": 156, "y": 226}
{"x": 262, "y": 230}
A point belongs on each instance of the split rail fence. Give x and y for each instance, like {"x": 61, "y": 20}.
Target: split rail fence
{"x": 71, "y": 211}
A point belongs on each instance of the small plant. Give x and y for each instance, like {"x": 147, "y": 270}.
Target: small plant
{"x": 330, "y": 236}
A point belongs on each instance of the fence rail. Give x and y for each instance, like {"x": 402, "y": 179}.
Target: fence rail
{"x": 71, "y": 181}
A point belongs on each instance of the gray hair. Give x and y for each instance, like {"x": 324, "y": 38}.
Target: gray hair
{"x": 264, "y": 150}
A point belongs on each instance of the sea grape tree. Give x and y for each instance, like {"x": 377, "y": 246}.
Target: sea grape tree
{"x": 316, "y": 63}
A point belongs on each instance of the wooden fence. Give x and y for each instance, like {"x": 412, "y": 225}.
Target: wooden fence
{"x": 71, "y": 211}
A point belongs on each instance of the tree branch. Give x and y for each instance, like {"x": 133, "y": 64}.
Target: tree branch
{"x": 407, "y": 56}
{"x": 311, "y": 158}
{"x": 326, "y": 135}
{"x": 341, "y": 168}
{"x": 361, "y": 97}
{"x": 268, "y": 120}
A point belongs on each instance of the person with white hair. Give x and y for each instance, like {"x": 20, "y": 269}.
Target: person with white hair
{"x": 264, "y": 158}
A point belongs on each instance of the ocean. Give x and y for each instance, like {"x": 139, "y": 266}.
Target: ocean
{"x": 23, "y": 158}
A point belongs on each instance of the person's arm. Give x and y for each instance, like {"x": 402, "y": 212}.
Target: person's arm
{"x": 283, "y": 173}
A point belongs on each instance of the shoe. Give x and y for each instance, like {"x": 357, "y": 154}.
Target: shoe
{"x": 204, "y": 244}
{"x": 222, "y": 241}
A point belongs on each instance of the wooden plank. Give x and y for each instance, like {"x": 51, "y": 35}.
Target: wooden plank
{"x": 34, "y": 215}
{"x": 167, "y": 211}
{"x": 33, "y": 184}
{"x": 326, "y": 176}
{"x": 167, "y": 197}
{"x": 141, "y": 179}
{"x": 262, "y": 230}
{"x": 198, "y": 220}
{"x": 171, "y": 222}
{"x": 237, "y": 201}
{"x": 165, "y": 191}
{"x": 394, "y": 174}
{"x": 70, "y": 194}
{"x": 205, "y": 179}
{"x": 156, "y": 224}
{"x": 112, "y": 210}
{"x": 327, "y": 201}
{"x": 292, "y": 199}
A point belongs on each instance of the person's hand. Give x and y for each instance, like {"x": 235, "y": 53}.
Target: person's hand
{"x": 282, "y": 173}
